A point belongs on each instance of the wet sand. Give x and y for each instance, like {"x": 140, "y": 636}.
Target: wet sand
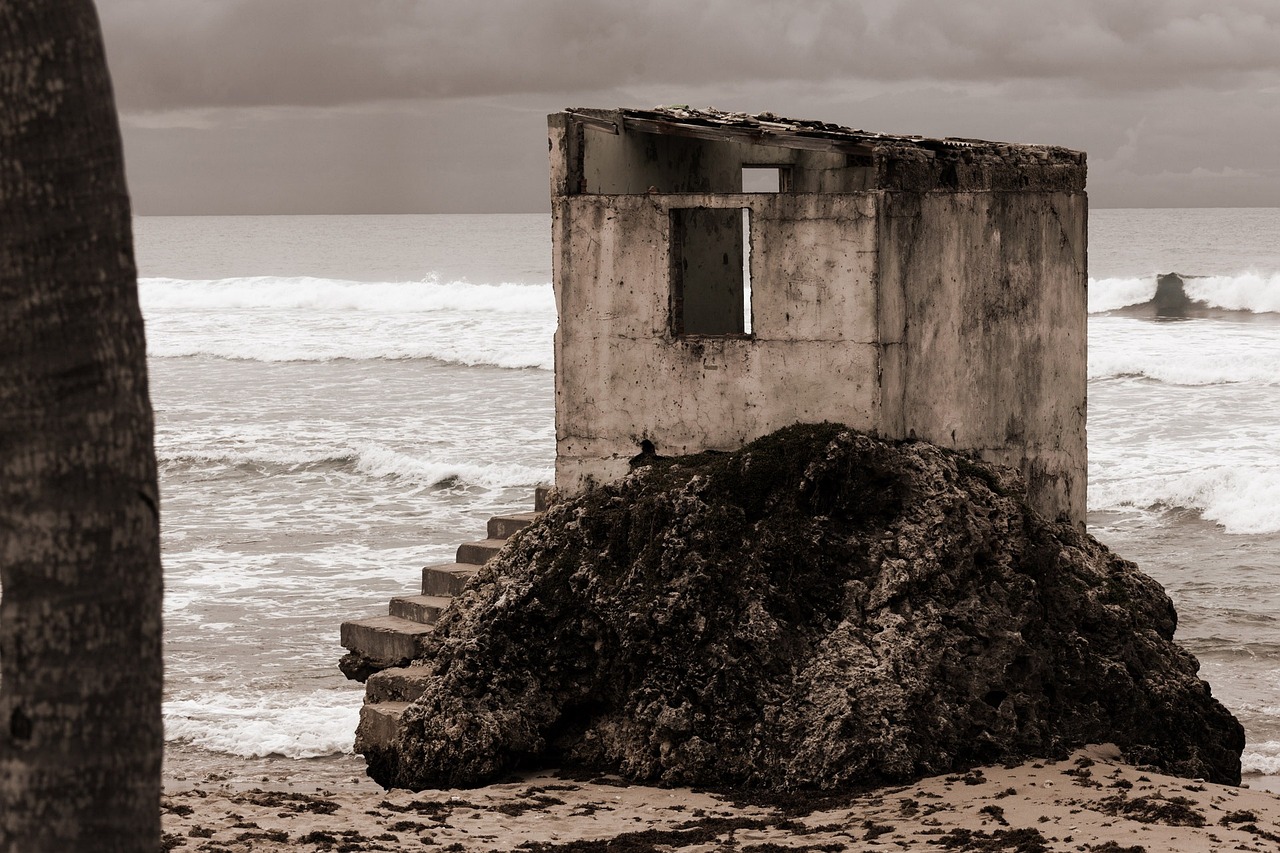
{"x": 1089, "y": 802}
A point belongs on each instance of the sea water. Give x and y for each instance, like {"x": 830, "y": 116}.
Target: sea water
{"x": 342, "y": 400}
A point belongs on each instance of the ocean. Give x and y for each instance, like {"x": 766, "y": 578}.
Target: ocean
{"x": 341, "y": 400}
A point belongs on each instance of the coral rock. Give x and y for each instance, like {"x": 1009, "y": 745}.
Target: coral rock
{"x": 821, "y": 609}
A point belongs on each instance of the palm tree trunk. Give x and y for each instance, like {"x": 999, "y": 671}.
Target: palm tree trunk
{"x": 80, "y": 614}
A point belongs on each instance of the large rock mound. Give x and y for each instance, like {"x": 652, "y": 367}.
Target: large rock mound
{"x": 820, "y": 609}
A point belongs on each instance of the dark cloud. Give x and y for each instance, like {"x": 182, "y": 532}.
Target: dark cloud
{"x": 173, "y": 54}
{"x": 439, "y": 105}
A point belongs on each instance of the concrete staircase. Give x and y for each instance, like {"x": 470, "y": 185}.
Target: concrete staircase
{"x": 381, "y": 649}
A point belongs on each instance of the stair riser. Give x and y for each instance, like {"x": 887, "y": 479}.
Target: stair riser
{"x": 427, "y": 614}
{"x": 445, "y": 582}
{"x": 395, "y": 685}
{"x": 378, "y": 726}
{"x": 504, "y": 527}
{"x": 389, "y": 647}
{"x": 477, "y": 554}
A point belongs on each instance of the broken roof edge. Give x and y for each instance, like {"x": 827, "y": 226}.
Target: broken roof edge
{"x": 769, "y": 129}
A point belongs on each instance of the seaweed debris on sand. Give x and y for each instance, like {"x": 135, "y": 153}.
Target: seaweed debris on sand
{"x": 821, "y": 609}
{"x": 1090, "y": 801}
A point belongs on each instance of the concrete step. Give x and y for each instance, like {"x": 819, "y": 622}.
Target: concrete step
{"x": 481, "y": 552}
{"x": 378, "y": 724}
{"x": 503, "y": 526}
{"x": 425, "y": 609}
{"x": 397, "y": 684}
{"x": 385, "y": 640}
{"x": 447, "y": 579}
{"x": 392, "y": 641}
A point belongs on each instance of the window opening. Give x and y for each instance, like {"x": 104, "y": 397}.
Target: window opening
{"x": 710, "y": 271}
{"x": 766, "y": 179}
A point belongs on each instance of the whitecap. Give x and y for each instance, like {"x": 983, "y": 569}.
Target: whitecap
{"x": 379, "y": 461}
{"x": 1250, "y": 291}
{"x": 332, "y": 295}
{"x": 320, "y": 320}
{"x": 1108, "y": 294}
{"x": 366, "y": 458}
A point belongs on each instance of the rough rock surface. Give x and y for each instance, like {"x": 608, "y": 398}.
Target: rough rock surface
{"x": 820, "y": 609}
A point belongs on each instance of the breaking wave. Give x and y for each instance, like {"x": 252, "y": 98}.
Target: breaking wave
{"x": 321, "y": 294}
{"x": 1108, "y": 294}
{"x": 271, "y": 319}
{"x": 1251, "y": 292}
{"x": 364, "y": 459}
{"x": 1242, "y": 497}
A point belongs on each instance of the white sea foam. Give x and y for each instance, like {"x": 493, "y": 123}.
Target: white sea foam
{"x": 1203, "y": 436}
{"x": 517, "y": 355}
{"x": 1261, "y": 758}
{"x": 1204, "y": 352}
{"x": 1191, "y": 367}
{"x": 252, "y": 726}
{"x": 175, "y": 458}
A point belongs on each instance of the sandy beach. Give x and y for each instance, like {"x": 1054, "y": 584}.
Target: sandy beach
{"x": 1090, "y": 802}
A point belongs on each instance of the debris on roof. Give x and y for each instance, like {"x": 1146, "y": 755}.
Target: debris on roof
{"x": 767, "y": 128}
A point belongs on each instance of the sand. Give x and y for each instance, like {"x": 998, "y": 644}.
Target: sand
{"x": 1091, "y": 801}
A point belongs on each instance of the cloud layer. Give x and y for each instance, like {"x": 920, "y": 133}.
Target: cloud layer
{"x": 175, "y": 54}
{"x": 402, "y": 105}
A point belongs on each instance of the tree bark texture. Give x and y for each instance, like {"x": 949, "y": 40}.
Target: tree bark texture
{"x": 81, "y": 737}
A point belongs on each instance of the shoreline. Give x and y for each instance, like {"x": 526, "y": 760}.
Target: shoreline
{"x": 1089, "y": 801}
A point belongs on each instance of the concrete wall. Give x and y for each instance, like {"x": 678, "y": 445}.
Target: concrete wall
{"x": 983, "y": 312}
{"x": 622, "y": 377}
{"x": 951, "y": 314}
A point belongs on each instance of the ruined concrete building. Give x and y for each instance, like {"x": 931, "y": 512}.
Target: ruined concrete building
{"x": 719, "y": 276}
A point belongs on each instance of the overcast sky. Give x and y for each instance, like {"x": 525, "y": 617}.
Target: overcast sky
{"x": 364, "y": 106}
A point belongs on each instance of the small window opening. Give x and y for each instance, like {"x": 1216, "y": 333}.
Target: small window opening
{"x": 766, "y": 179}
{"x": 710, "y": 271}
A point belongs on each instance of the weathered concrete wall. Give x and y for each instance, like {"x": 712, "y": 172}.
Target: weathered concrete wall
{"x": 622, "y": 377}
{"x": 935, "y": 292}
{"x": 983, "y": 312}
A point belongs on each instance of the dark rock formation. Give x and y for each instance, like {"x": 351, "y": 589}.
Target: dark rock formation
{"x": 820, "y": 609}
{"x": 1171, "y": 301}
